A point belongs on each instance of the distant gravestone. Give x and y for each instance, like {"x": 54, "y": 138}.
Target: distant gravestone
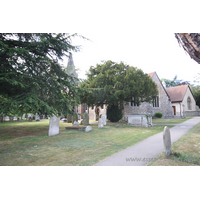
{"x": 140, "y": 120}
{"x": 104, "y": 118}
{"x": 85, "y": 120}
{"x": 69, "y": 119}
{"x": 75, "y": 123}
{"x": 74, "y": 118}
{"x": 11, "y": 119}
{"x": 19, "y": 119}
{"x": 167, "y": 141}
{"x": 54, "y": 126}
{"x": 100, "y": 123}
{"x": 30, "y": 119}
{"x": 88, "y": 128}
{"x": 37, "y": 117}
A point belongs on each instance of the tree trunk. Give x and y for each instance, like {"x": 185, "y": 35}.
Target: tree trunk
{"x": 191, "y": 44}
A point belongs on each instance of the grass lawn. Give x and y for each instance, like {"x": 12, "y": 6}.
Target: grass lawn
{"x": 170, "y": 121}
{"x": 28, "y": 144}
{"x": 185, "y": 151}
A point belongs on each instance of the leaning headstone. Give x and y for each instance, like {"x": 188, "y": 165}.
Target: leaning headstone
{"x": 75, "y": 123}
{"x": 104, "y": 118}
{"x": 85, "y": 120}
{"x": 167, "y": 141}
{"x": 100, "y": 123}
{"x": 88, "y": 128}
{"x": 54, "y": 126}
{"x": 37, "y": 117}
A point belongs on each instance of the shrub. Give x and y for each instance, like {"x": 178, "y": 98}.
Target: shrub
{"x": 158, "y": 115}
{"x": 114, "y": 113}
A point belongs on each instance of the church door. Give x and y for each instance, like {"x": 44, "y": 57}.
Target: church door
{"x": 174, "y": 108}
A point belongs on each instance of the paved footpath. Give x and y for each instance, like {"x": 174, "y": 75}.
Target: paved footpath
{"x": 143, "y": 152}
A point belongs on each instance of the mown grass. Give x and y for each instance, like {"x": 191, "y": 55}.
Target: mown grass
{"x": 28, "y": 143}
{"x": 185, "y": 151}
{"x": 170, "y": 121}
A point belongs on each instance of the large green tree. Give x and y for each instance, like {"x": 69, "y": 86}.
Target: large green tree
{"x": 31, "y": 77}
{"x": 113, "y": 83}
{"x": 175, "y": 82}
{"x": 196, "y": 92}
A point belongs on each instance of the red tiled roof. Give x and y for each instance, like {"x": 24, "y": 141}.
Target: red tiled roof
{"x": 151, "y": 74}
{"x": 177, "y": 93}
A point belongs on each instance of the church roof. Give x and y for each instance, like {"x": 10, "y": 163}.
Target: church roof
{"x": 151, "y": 74}
{"x": 177, "y": 93}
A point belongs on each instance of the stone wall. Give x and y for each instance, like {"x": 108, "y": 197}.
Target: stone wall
{"x": 191, "y": 113}
{"x": 165, "y": 106}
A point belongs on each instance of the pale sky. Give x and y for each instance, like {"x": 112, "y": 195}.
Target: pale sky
{"x": 139, "y": 33}
{"x": 149, "y": 51}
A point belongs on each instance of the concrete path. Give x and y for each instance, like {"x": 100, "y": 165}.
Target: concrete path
{"x": 145, "y": 151}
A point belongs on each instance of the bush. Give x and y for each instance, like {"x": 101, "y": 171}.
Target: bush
{"x": 114, "y": 113}
{"x": 158, "y": 115}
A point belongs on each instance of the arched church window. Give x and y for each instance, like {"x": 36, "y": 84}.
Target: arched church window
{"x": 156, "y": 102}
{"x": 189, "y": 103}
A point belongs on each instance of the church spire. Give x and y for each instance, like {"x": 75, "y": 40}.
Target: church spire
{"x": 70, "y": 60}
{"x": 70, "y": 67}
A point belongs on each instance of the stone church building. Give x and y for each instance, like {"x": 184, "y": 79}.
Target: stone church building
{"x": 161, "y": 104}
{"x": 175, "y": 101}
{"x": 183, "y": 101}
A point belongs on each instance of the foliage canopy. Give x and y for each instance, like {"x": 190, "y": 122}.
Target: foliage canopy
{"x": 112, "y": 83}
{"x": 175, "y": 82}
{"x": 31, "y": 78}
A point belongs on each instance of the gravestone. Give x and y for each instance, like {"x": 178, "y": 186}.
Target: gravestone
{"x": 74, "y": 118}
{"x": 104, "y": 118}
{"x": 88, "y": 128}
{"x": 69, "y": 119}
{"x": 167, "y": 141}
{"x": 19, "y": 119}
{"x": 140, "y": 120}
{"x": 11, "y": 119}
{"x": 37, "y": 117}
{"x": 75, "y": 123}
{"x": 54, "y": 126}
{"x": 100, "y": 123}
{"x": 30, "y": 119}
{"x": 85, "y": 120}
